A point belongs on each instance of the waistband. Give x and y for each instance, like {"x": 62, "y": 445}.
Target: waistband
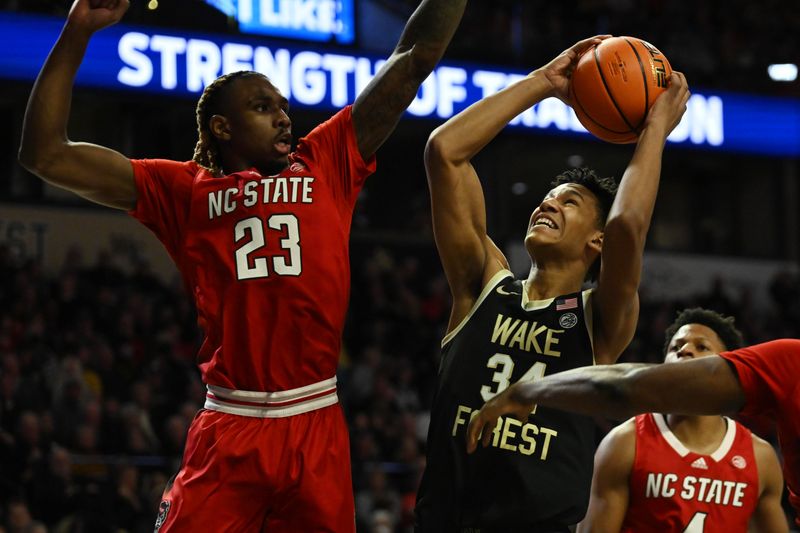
{"x": 272, "y": 404}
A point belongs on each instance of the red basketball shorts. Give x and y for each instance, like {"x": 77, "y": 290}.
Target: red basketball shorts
{"x": 252, "y": 474}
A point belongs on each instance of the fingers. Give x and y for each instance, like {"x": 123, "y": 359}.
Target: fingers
{"x": 486, "y": 434}
{"x": 583, "y": 45}
{"x": 473, "y": 432}
{"x": 478, "y": 428}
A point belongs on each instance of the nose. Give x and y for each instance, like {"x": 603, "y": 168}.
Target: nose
{"x": 283, "y": 120}
{"x": 548, "y": 205}
{"x": 686, "y": 351}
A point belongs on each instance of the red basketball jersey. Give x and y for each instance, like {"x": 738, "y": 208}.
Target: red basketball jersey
{"x": 770, "y": 377}
{"x": 265, "y": 257}
{"x": 675, "y": 489}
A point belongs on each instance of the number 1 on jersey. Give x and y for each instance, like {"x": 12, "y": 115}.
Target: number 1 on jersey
{"x": 697, "y": 523}
{"x": 505, "y": 367}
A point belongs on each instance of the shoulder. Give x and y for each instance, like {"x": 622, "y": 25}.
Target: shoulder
{"x": 767, "y": 462}
{"x": 620, "y": 441}
{"x": 340, "y": 122}
{"x": 617, "y": 451}
{"x": 166, "y": 167}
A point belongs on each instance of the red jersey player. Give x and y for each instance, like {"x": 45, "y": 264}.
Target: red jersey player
{"x": 758, "y": 381}
{"x": 260, "y": 235}
{"x": 679, "y": 473}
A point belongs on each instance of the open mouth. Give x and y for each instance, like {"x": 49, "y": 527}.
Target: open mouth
{"x": 542, "y": 221}
{"x": 284, "y": 144}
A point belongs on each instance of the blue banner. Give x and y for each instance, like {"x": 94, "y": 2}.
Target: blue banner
{"x": 179, "y": 63}
{"x": 310, "y": 20}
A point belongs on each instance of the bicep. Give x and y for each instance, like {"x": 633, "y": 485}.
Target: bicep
{"x": 99, "y": 174}
{"x": 610, "y": 491}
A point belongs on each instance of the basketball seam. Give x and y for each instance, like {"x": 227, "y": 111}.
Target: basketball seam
{"x": 583, "y": 109}
{"x": 644, "y": 82}
{"x": 608, "y": 92}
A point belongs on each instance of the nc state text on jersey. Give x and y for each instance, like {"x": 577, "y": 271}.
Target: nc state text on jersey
{"x": 271, "y": 190}
{"x": 701, "y": 489}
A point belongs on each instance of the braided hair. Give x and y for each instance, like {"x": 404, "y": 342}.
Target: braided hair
{"x": 206, "y": 151}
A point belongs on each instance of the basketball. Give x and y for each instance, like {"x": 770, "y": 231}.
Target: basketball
{"x": 614, "y": 84}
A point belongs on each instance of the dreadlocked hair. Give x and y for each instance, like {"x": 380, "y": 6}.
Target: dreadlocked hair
{"x": 720, "y": 324}
{"x": 604, "y": 189}
{"x": 206, "y": 151}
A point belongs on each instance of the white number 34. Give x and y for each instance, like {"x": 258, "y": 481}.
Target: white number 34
{"x": 502, "y": 378}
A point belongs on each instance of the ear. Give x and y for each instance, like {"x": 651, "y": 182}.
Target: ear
{"x": 596, "y": 242}
{"x": 219, "y": 127}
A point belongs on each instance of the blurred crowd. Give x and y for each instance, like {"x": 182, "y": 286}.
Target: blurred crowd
{"x": 98, "y": 383}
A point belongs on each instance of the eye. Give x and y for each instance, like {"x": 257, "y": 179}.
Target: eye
{"x": 570, "y": 201}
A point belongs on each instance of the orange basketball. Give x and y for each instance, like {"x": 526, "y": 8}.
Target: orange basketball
{"x": 614, "y": 85}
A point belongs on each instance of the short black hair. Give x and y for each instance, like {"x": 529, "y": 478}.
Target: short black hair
{"x": 720, "y": 324}
{"x": 604, "y": 189}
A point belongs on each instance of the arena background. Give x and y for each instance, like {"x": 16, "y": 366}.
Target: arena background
{"x": 97, "y": 337}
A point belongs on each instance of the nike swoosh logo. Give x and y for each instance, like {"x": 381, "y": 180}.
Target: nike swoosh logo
{"x": 501, "y": 290}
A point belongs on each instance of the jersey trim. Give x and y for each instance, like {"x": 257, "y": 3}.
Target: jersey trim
{"x": 272, "y": 404}
{"x": 532, "y": 305}
{"x": 489, "y": 287}
{"x": 718, "y": 454}
{"x": 588, "y": 318}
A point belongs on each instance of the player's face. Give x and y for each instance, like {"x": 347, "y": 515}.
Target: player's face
{"x": 260, "y": 129}
{"x": 692, "y": 341}
{"x": 566, "y": 217}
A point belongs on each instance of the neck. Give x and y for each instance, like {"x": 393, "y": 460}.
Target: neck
{"x": 549, "y": 281}
{"x": 701, "y": 434}
{"x": 232, "y": 163}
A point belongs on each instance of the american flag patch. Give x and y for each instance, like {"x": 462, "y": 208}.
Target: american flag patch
{"x": 566, "y": 303}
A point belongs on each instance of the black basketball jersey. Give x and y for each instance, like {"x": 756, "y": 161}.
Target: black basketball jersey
{"x": 535, "y": 475}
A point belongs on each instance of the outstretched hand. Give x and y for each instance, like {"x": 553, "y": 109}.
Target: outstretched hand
{"x": 482, "y": 424}
{"x": 670, "y": 105}
{"x": 559, "y": 70}
{"x": 94, "y": 15}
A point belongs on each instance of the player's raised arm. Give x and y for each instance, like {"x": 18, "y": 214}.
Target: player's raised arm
{"x": 610, "y": 494}
{"x": 702, "y": 386}
{"x": 616, "y": 297}
{"x": 468, "y": 256}
{"x": 380, "y": 105}
{"x": 94, "y": 172}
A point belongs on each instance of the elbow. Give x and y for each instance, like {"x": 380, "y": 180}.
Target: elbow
{"x": 423, "y": 60}
{"x": 34, "y": 159}
{"x": 27, "y": 158}
{"x": 438, "y": 149}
